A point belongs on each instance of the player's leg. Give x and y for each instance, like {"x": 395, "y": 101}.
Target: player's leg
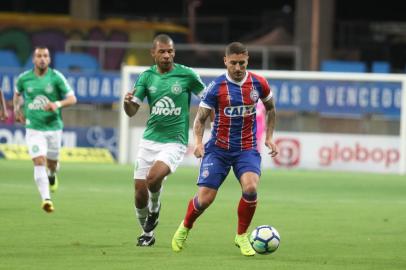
{"x": 155, "y": 176}
{"x": 168, "y": 159}
{"x": 37, "y": 148}
{"x": 54, "y": 141}
{"x": 204, "y": 198}
{"x": 213, "y": 171}
{"x": 247, "y": 170}
{"x": 143, "y": 163}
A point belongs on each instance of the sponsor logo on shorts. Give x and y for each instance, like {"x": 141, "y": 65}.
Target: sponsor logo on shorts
{"x": 205, "y": 173}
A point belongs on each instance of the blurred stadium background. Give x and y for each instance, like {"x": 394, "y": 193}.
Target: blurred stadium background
{"x": 91, "y": 40}
{"x": 336, "y": 67}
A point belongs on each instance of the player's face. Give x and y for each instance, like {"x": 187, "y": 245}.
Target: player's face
{"x": 41, "y": 59}
{"x": 236, "y": 66}
{"x": 163, "y": 55}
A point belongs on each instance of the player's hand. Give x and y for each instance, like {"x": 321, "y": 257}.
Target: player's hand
{"x": 273, "y": 149}
{"x": 3, "y": 115}
{"x": 199, "y": 150}
{"x": 50, "y": 107}
{"x": 19, "y": 116}
{"x": 128, "y": 98}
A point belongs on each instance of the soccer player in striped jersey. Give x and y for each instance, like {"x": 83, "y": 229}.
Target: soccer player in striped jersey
{"x": 168, "y": 87}
{"x": 233, "y": 97}
{"x": 39, "y": 96}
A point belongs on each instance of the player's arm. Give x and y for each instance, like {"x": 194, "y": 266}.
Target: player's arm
{"x": 131, "y": 105}
{"x": 17, "y": 103}
{"x": 3, "y": 109}
{"x": 69, "y": 100}
{"x": 270, "y": 126}
{"x": 198, "y": 130}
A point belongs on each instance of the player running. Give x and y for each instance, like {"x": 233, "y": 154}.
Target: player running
{"x": 233, "y": 96}
{"x": 168, "y": 87}
{"x": 43, "y": 92}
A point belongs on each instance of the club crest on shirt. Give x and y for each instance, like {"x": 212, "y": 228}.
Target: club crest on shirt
{"x": 49, "y": 88}
{"x": 254, "y": 95}
{"x": 176, "y": 88}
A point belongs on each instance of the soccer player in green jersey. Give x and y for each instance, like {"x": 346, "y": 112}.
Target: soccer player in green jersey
{"x": 168, "y": 87}
{"x": 38, "y": 98}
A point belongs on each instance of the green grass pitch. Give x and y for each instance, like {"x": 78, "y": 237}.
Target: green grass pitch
{"x": 327, "y": 220}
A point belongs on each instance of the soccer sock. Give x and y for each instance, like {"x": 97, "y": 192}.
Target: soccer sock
{"x": 41, "y": 178}
{"x": 141, "y": 214}
{"x": 246, "y": 210}
{"x": 194, "y": 210}
{"x": 51, "y": 173}
{"x": 154, "y": 199}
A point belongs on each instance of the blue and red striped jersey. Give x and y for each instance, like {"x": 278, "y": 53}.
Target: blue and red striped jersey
{"x": 234, "y": 104}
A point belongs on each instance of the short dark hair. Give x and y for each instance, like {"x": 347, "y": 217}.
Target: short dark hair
{"x": 161, "y": 38}
{"x": 40, "y": 47}
{"x": 236, "y": 48}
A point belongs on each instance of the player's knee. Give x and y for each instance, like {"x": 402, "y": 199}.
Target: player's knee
{"x": 39, "y": 161}
{"x": 250, "y": 188}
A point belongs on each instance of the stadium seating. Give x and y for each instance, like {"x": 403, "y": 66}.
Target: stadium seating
{"x": 343, "y": 66}
{"x": 76, "y": 62}
{"x": 380, "y": 67}
{"x": 8, "y": 59}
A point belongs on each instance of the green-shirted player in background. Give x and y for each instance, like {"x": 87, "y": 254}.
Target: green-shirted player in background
{"x": 168, "y": 88}
{"x": 38, "y": 98}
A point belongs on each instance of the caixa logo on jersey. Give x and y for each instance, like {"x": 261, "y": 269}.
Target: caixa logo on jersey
{"x": 289, "y": 152}
{"x": 235, "y": 111}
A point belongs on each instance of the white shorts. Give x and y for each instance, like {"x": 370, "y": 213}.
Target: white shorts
{"x": 149, "y": 151}
{"x": 44, "y": 143}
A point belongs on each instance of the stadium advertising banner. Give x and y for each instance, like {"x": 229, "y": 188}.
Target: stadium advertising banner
{"x": 348, "y": 98}
{"x": 317, "y": 151}
{"x": 101, "y": 87}
{"x": 341, "y": 152}
{"x": 72, "y": 138}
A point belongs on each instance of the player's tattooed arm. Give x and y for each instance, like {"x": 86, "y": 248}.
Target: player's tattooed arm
{"x": 198, "y": 130}
{"x": 17, "y": 104}
{"x": 270, "y": 126}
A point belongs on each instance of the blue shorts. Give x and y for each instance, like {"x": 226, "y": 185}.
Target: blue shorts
{"x": 216, "y": 165}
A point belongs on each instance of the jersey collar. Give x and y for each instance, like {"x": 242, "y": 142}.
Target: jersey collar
{"x": 240, "y": 82}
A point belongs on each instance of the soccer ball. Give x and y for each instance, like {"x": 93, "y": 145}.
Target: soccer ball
{"x": 265, "y": 239}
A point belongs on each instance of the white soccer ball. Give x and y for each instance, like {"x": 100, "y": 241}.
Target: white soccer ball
{"x": 265, "y": 239}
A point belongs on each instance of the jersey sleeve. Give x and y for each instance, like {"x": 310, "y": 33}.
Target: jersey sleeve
{"x": 140, "y": 88}
{"x": 266, "y": 90}
{"x": 19, "y": 86}
{"x": 197, "y": 85}
{"x": 63, "y": 84}
{"x": 209, "y": 97}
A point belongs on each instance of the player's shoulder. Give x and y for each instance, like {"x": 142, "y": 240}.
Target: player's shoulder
{"x": 184, "y": 69}
{"x": 256, "y": 76}
{"x": 25, "y": 74}
{"x": 55, "y": 72}
{"x": 259, "y": 78}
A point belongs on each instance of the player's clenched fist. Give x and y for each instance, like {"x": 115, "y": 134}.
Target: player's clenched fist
{"x": 128, "y": 97}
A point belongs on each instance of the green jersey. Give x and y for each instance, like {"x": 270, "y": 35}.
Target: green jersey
{"x": 168, "y": 97}
{"x": 37, "y": 92}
